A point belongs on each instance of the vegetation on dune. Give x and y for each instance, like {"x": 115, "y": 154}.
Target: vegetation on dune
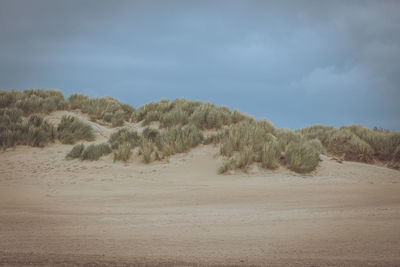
{"x": 76, "y": 152}
{"x": 123, "y": 152}
{"x": 301, "y": 157}
{"x": 11, "y": 127}
{"x": 38, "y": 132}
{"x": 178, "y": 139}
{"x": 146, "y": 149}
{"x": 33, "y": 100}
{"x": 250, "y": 141}
{"x": 242, "y": 140}
{"x": 71, "y": 129}
{"x": 91, "y": 152}
{"x": 94, "y": 152}
{"x": 35, "y": 131}
{"x": 123, "y": 136}
{"x": 349, "y": 146}
{"x": 104, "y": 109}
{"x": 183, "y": 112}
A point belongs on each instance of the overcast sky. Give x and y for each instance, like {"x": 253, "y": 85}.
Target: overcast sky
{"x": 297, "y": 63}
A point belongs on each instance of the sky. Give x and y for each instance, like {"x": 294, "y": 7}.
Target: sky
{"x": 296, "y": 63}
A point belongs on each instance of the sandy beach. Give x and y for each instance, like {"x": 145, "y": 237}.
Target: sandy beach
{"x": 181, "y": 212}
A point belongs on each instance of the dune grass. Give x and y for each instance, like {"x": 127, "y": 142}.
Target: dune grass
{"x": 123, "y": 136}
{"x": 11, "y": 127}
{"x": 347, "y": 145}
{"x": 301, "y": 157}
{"x": 227, "y": 165}
{"x": 94, "y": 152}
{"x": 76, "y": 151}
{"x": 181, "y": 112}
{"x": 242, "y": 140}
{"x": 146, "y": 149}
{"x": 38, "y": 132}
{"x": 71, "y": 129}
{"x": 123, "y": 152}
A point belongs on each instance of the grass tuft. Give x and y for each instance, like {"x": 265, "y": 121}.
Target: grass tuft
{"x": 301, "y": 157}
{"x": 94, "y": 152}
{"x": 76, "y": 151}
{"x": 123, "y": 152}
{"x": 71, "y": 129}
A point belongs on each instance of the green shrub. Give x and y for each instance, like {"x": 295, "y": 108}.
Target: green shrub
{"x": 94, "y": 152}
{"x": 71, "y": 129}
{"x": 123, "y": 152}
{"x": 123, "y": 136}
{"x": 301, "y": 157}
{"x": 76, "y": 152}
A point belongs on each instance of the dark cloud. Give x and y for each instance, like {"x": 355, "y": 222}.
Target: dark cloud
{"x": 295, "y": 62}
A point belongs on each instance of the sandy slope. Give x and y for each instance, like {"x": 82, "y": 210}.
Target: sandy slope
{"x": 181, "y": 212}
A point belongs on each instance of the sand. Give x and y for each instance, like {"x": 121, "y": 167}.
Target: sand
{"x": 182, "y": 213}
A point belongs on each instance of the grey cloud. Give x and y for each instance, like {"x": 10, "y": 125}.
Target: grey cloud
{"x": 282, "y": 59}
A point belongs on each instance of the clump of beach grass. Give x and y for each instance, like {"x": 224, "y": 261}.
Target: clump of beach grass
{"x": 95, "y": 151}
{"x": 301, "y": 157}
{"x": 71, "y": 129}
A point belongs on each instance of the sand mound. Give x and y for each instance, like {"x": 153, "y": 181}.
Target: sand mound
{"x": 181, "y": 212}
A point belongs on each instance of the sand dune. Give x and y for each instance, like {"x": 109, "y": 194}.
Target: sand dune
{"x": 181, "y": 212}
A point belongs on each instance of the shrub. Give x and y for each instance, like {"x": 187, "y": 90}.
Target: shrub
{"x": 301, "y": 157}
{"x": 94, "y": 152}
{"x": 123, "y": 152}
{"x": 71, "y": 129}
{"x": 123, "y": 136}
{"x": 76, "y": 152}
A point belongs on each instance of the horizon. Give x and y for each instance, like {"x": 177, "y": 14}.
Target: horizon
{"x": 295, "y": 64}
